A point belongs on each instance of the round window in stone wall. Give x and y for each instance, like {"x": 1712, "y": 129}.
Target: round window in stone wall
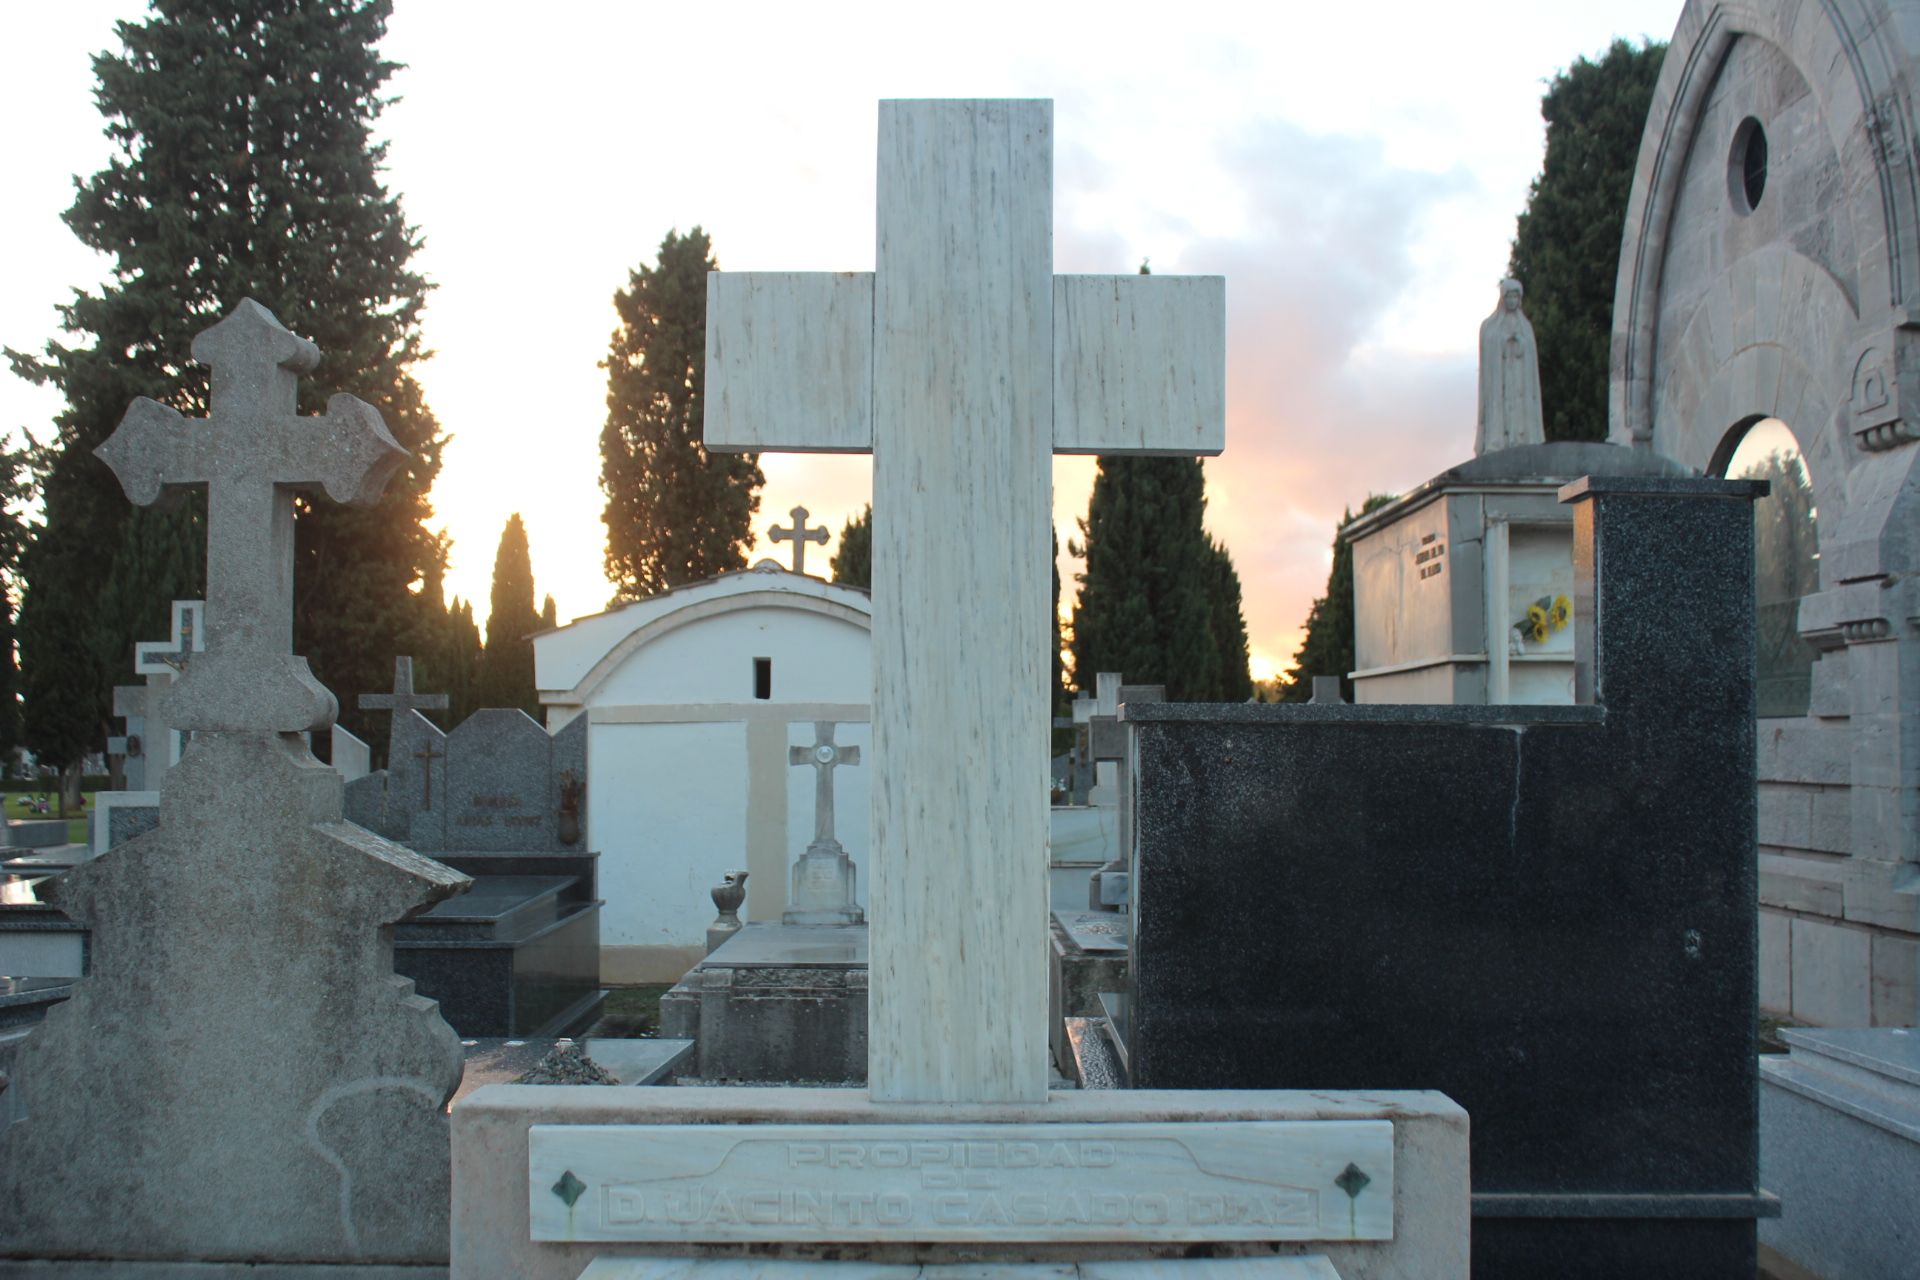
{"x": 1786, "y": 552}
{"x": 1747, "y": 166}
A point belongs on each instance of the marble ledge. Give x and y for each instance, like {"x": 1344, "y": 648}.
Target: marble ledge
{"x": 694, "y": 1104}
{"x": 1520, "y": 716}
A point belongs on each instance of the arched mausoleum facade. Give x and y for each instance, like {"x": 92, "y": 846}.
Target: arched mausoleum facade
{"x": 694, "y": 700}
{"x": 1770, "y": 282}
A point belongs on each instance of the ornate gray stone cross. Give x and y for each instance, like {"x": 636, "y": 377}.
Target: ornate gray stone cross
{"x": 252, "y": 452}
{"x": 962, "y": 363}
{"x": 824, "y": 755}
{"x": 800, "y": 536}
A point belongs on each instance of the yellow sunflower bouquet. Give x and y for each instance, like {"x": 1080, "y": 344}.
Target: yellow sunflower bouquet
{"x": 1543, "y": 617}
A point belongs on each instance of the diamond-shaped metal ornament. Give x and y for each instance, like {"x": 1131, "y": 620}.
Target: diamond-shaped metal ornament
{"x": 1351, "y": 1180}
{"x": 570, "y": 1188}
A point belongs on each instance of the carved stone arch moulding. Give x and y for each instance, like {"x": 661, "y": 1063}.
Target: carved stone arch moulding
{"x": 1848, "y": 52}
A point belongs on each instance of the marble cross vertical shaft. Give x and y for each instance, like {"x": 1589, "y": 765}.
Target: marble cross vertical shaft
{"x": 824, "y": 755}
{"x": 800, "y": 536}
{"x": 962, "y": 363}
{"x": 252, "y": 451}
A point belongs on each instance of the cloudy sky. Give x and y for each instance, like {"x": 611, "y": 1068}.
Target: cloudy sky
{"x": 1353, "y": 171}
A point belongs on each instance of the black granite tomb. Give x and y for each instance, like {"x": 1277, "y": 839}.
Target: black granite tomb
{"x": 501, "y": 800}
{"x": 1548, "y": 913}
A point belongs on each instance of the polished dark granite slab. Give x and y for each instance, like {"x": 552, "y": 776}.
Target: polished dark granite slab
{"x": 1547, "y": 913}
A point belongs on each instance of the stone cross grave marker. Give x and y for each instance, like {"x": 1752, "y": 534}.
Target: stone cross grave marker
{"x": 800, "y": 536}
{"x": 251, "y": 452}
{"x": 403, "y": 699}
{"x": 169, "y": 657}
{"x": 162, "y": 662}
{"x": 824, "y": 884}
{"x": 962, "y": 363}
{"x": 242, "y": 963}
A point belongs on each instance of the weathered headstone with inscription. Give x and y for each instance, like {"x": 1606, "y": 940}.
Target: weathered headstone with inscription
{"x": 962, "y": 363}
{"x": 242, "y": 1078}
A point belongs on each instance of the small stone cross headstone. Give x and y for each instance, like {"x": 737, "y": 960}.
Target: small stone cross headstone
{"x": 403, "y": 699}
{"x": 825, "y": 882}
{"x": 800, "y": 536}
{"x": 962, "y": 363}
{"x": 163, "y": 663}
{"x": 169, "y": 657}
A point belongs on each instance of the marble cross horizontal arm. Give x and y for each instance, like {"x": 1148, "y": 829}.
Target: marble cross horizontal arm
{"x": 1138, "y": 363}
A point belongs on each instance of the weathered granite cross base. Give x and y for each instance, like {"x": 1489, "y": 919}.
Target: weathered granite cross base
{"x": 242, "y": 1076}
{"x": 547, "y": 1180}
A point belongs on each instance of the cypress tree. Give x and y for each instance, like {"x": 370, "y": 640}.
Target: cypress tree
{"x": 675, "y": 513}
{"x": 507, "y": 670}
{"x": 244, "y": 166}
{"x": 1566, "y": 247}
{"x": 1228, "y": 624}
{"x": 1327, "y": 647}
{"x": 1153, "y": 603}
{"x": 852, "y": 561}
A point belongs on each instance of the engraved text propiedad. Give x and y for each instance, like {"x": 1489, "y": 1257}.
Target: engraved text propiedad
{"x": 1249, "y": 1180}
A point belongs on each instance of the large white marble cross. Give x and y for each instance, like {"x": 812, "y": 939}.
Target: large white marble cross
{"x": 962, "y": 363}
{"x": 252, "y": 451}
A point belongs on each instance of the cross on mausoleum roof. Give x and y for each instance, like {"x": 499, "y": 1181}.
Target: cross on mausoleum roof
{"x": 800, "y": 536}
{"x": 251, "y": 451}
{"x": 962, "y": 363}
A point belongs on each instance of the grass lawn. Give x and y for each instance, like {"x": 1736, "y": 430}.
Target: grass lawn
{"x": 76, "y": 822}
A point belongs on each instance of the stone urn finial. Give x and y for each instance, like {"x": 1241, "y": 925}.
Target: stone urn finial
{"x": 727, "y": 897}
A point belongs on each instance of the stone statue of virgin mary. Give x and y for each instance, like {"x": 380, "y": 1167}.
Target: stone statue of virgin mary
{"x": 1509, "y": 378}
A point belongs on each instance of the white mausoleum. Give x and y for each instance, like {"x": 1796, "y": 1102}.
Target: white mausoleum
{"x": 693, "y": 700}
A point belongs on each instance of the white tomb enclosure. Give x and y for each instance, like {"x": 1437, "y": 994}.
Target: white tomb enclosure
{"x": 1444, "y": 577}
{"x": 688, "y": 765}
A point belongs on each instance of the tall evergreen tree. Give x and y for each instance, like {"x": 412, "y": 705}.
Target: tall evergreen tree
{"x": 1152, "y": 592}
{"x": 507, "y": 672}
{"x": 1327, "y": 647}
{"x": 549, "y": 615}
{"x": 852, "y": 561}
{"x": 675, "y": 513}
{"x": 244, "y": 166}
{"x": 1146, "y": 604}
{"x": 1228, "y": 624}
{"x": 19, "y": 481}
{"x": 1566, "y": 249}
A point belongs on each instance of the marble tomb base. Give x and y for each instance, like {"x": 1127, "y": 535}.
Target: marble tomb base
{"x": 776, "y": 1004}
{"x": 549, "y": 1181}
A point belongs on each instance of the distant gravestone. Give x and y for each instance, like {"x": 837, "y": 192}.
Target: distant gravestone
{"x": 824, "y": 878}
{"x": 242, "y": 1077}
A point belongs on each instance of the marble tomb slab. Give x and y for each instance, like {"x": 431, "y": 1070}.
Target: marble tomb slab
{"x": 1296, "y": 1268}
{"x": 938, "y": 1183}
{"x": 1095, "y": 930}
{"x": 793, "y": 946}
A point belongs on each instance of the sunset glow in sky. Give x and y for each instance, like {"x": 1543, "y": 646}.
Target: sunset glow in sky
{"x": 1356, "y": 186}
